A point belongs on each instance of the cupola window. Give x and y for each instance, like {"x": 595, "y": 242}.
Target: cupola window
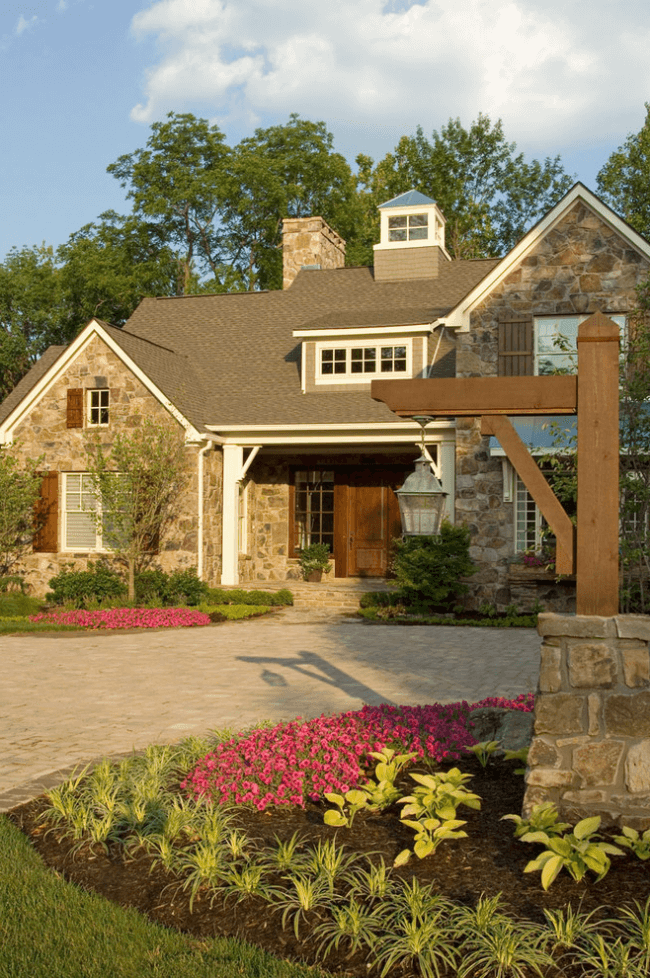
{"x": 408, "y": 227}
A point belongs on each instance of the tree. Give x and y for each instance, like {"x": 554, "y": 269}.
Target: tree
{"x": 177, "y": 185}
{"x": 624, "y": 180}
{"x": 487, "y": 192}
{"x": 284, "y": 171}
{"x": 19, "y": 491}
{"x": 137, "y": 483}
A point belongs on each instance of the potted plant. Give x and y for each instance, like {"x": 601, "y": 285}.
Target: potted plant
{"x": 314, "y": 559}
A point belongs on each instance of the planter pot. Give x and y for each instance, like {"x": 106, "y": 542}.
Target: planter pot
{"x": 314, "y": 577}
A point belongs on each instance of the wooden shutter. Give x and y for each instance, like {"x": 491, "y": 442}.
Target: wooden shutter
{"x": 75, "y": 415}
{"x": 46, "y": 515}
{"x": 516, "y": 357}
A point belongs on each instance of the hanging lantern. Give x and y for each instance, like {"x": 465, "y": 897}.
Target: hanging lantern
{"x": 421, "y": 501}
{"x": 421, "y": 498}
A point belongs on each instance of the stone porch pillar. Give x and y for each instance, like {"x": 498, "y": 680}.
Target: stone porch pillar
{"x": 590, "y": 753}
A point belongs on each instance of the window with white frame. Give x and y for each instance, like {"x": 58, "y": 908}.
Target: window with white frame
{"x": 358, "y": 362}
{"x": 556, "y": 345}
{"x": 528, "y": 520}
{"x": 408, "y": 227}
{"x": 98, "y": 407}
{"x": 81, "y": 529}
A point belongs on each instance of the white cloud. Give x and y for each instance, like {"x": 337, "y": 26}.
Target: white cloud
{"x": 61, "y": 6}
{"x": 24, "y": 24}
{"x": 555, "y": 72}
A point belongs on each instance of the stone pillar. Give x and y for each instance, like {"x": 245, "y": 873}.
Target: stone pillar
{"x": 590, "y": 753}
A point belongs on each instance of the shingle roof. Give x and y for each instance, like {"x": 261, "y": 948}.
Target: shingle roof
{"x": 241, "y": 350}
{"x": 233, "y": 359}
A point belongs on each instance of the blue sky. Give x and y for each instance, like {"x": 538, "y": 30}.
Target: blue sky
{"x": 82, "y": 80}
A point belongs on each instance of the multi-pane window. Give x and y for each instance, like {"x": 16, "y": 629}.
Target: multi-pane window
{"x": 81, "y": 529}
{"x": 408, "y": 227}
{"x": 314, "y": 507}
{"x": 528, "y": 520}
{"x": 556, "y": 343}
{"x": 98, "y": 407}
{"x": 351, "y": 361}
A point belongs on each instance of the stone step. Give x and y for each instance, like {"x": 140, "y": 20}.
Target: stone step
{"x": 339, "y": 594}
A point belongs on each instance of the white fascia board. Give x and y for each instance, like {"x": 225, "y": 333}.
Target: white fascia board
{"x": 417, "y": 329}
{"x": 321, "y": 434}
{"x": 77, "y": 347}
{"x": 459, "y": 317}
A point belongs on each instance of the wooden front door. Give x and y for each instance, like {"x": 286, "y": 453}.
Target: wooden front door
{"x": 373, "y": 522}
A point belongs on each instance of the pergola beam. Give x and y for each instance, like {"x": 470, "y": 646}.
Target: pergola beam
{"x": 471, "y": 397}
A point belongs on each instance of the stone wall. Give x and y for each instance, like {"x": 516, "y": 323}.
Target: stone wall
{"x": 581, "y": 265}
{"x": 591, "y": 747}
{"x": 212, "y": 516}
{"x": 43, "y": 433}
{"x": 268, "y": 558}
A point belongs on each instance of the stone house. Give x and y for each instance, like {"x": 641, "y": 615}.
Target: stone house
{"x": 270, "y": 391}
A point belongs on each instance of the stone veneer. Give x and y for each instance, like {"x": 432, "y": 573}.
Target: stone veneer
{"x": 581, "y": 265}
{"x": 44, "y": 433}
{"x": 267, "y": 557}
{"x": 309, "y": 241}
{"x": 591, "y": 747}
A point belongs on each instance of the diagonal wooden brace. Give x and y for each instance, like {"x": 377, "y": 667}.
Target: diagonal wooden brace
{"x": 501, "y": 427}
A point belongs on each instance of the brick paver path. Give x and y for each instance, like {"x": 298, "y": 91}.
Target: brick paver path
{"x": 70, "y": 697}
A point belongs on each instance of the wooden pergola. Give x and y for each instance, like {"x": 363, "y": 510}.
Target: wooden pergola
{"x": 590, "y": 549}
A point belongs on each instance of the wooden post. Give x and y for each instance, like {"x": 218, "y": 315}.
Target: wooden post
{"x": 598, "y": 467}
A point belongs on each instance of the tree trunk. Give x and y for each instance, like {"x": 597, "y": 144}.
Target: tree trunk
{"x": 131, "y": 581}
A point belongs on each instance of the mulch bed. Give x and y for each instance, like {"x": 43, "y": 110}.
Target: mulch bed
{"x": 489, "y": 862}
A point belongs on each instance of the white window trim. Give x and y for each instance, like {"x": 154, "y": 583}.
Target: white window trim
{"x": 519, "y": 489}
{"x": 89, "y": 407}
{"x": 68, "y": 548}
{"x": 617, "y": 317}
{"x": 364, "y": 378}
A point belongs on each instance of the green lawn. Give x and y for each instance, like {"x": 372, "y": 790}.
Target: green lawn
{"x": 52, "y": 929}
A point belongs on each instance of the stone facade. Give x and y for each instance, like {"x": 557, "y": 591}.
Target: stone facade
{"x": 579, "y": 266}
{"x": 591, "y": 749}
{"x": 267, "y": 557}
{"x": 44, "y": 434}
{"x": 309, "y": 241}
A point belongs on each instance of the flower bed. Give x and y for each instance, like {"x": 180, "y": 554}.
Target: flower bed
{"x": 125, "y": 618}
{"x": 293, "y": 762}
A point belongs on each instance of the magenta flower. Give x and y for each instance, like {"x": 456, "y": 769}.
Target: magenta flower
{"x": 126, "y": 618}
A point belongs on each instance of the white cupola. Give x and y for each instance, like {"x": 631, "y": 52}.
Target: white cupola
{"x": 412, "y": 239}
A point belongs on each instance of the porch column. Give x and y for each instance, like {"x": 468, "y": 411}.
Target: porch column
{"x": 447, "y": 456}
{"x": 233, "y": 460}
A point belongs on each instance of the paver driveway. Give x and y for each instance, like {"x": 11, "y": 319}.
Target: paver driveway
{"x": 67, "y": 698}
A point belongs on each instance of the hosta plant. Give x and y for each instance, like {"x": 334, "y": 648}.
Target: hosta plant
{"x": 372, "y": 795}
{"x": 639, "y": 844}
{"x": 429, "y": 833}
{"x": 485, "y": 750}
{"x": 575, "y": 851}
{"x": 439, "y": 795}
{"x": 543, "y": 818}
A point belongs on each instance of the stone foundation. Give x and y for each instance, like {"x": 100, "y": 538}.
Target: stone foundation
{"x": 590, "y": 753}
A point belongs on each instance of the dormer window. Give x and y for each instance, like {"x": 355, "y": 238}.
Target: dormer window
{"x": 408, "y": 227}
{"x": 347, "y": 363}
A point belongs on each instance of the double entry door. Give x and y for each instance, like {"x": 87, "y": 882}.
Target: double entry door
{"x": 354, "y": 510}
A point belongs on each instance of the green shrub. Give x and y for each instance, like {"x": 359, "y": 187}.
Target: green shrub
{"x": 186, "y": 588}
{"x": 151, "y": 587}
{"x": 17, "y": 605}
{"x": 239, "y": 596}
{"x": 98, "y": 583}
{"x": 380, "y": 599}
{"x": 12, "y": 583}
{"x": 429, "y": 570}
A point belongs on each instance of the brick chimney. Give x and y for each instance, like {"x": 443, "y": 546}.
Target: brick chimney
{"x": 309, "y": 242}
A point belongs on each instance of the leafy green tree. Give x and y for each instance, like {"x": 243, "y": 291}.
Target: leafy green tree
{"x": 107, "y": 268}
{"x": 177, "y": 185}
{"x": 284, "y": 171}
{"x": 19, "y": 490}
{"x": 429, "y": 569}
{"x": 487, "y": 191}
{"x": 138, "y": 482}
{"x": 624, "y": 180}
